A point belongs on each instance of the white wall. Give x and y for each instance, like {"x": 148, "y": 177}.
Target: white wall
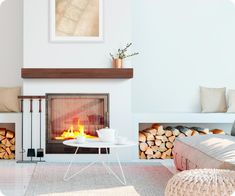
{"x": 183, "y": 44}
{"x": 40, "y": 52}
{"x": 11, "y": 46}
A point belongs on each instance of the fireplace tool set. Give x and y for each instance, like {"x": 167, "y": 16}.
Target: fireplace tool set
{"x": 31, "y": 152}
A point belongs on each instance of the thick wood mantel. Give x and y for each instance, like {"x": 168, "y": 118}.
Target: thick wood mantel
{"x": 95, "y": 73}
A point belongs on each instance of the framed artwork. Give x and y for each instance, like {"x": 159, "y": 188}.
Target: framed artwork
{"x": 76, "y": 20}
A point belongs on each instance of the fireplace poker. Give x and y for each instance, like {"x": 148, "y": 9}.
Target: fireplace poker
{"x": 40, "y": 151}
{"x": 31, "y": 150}
{"x": 22, "y": 130}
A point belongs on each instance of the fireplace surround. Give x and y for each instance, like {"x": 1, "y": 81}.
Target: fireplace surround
{"x": 70, "y": 115}
{"x": 120, "y": 115}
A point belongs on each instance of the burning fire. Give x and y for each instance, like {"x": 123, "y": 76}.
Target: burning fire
{"x": 73, "y": 134}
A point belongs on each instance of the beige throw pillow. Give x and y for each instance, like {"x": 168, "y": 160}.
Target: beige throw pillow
{"x": 9, "y": 99}
{"x": 231, "y": 101}
{"x": 213, "y": 99}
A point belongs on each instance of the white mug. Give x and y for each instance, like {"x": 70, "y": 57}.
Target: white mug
{"x": 107, "y": 135}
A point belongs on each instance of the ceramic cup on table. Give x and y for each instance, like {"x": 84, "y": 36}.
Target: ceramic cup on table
{"x": 106, "y": 135}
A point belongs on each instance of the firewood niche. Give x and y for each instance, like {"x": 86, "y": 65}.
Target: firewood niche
{"x": 156, "y": 142}
{"x": 7, "y": 141}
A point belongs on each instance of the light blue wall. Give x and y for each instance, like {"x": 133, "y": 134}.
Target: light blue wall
{"x": 183, "y": 44}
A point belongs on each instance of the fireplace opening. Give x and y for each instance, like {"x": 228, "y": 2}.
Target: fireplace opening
{"x": 70, "y": 115}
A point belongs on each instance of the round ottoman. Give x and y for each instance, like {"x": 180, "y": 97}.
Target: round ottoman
{"x": 202, "y": 182}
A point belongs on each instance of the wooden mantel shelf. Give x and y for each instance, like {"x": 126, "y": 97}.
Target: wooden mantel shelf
{"x": 95, "y": 73}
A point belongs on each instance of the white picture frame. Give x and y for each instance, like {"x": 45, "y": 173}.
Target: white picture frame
{"x": 55, "y": 38}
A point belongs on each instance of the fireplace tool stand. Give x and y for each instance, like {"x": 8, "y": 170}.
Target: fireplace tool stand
{"x": 31, "y": 150}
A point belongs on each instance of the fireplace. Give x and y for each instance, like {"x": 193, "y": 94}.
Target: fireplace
{"x": 70, "y": 115}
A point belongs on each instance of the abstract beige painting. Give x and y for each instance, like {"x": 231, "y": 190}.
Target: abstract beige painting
{"x": 76, "y": 20}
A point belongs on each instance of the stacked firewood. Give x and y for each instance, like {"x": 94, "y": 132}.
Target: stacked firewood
{"x": 156, "y": 142}
{"x": 7, "y": 144}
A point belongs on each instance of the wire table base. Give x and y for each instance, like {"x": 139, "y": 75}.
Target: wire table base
{"x": 121, "y": 179}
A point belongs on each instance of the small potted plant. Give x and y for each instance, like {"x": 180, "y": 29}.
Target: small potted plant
{"x": 117, "y": 59}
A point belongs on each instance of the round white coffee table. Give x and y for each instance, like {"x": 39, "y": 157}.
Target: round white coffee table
{"x": 95, "y": 143}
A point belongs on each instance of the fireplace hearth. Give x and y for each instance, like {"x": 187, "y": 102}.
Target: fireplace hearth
{"x": 71, "y": 115}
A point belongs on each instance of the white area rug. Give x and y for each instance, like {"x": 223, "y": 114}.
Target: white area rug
{"x": 142, "y": 179}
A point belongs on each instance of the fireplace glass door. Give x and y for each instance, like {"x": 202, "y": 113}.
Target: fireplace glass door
{"x": 73, "y": 115}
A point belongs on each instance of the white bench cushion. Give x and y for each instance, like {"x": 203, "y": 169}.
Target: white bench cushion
{"x": 205, "y": 151}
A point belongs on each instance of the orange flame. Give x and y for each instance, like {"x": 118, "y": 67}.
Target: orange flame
{"x": 73, "y": 134}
